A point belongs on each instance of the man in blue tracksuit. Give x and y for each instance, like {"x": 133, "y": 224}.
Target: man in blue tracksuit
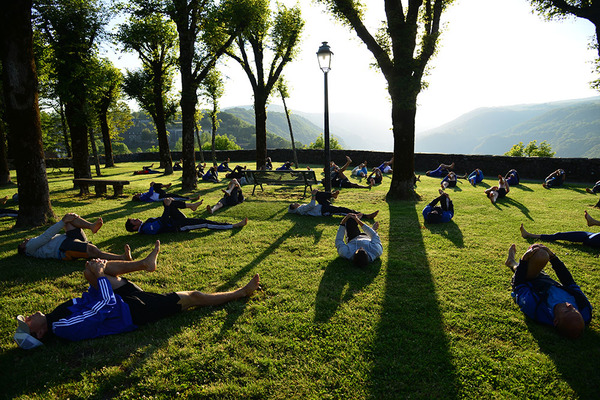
{"x": 114, "y": 305}
{"x": 560, "y": 304}
{"x": 173, "y": 220}
{"x": 435, "y": 214}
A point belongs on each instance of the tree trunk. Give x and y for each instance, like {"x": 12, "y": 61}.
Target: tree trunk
{"x": 260, "y": 112}
{"x": 289, "y": 121}
{"x": 65, "y": 130}
{"x": 199, "y": 142}
{"x": 213, "y": 120}
{"x": 166, "y": 160}
{"x": 22, "y": 112}
{"x": 4, "y": 170}
{"x": 95, "y": 152}
{"x": 403, "y": 121}
{"x": 76, "y": 119}
{"x": 108, "y": 153}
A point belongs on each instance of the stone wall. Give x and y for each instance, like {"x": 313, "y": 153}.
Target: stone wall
{"x": 583, "y": 170}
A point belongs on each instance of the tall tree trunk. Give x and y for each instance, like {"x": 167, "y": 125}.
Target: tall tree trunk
{"x": 22, "y": 112}
{"x": 95, "y": 152}
{"x": 213, "y": 120}
{"x": 199, "y": 142}
{"x": 108, "y": 152}
{"x": 77, "y": 121}
{"x": 289, "y": 121}
{"x": 65, "y": 129}
{"x": 166, "y": 161}
{"x": 4, "y": 170}
{"x": 403, "y": 122}
{"x": 260, "y": 113}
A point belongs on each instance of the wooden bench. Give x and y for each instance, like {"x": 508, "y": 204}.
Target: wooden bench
{"x": 100, "y": 185}
{"x": 288, "y": 177}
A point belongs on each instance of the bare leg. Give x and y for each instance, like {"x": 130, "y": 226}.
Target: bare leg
{"x": 197, "y": 299}
{"x": 83, "y": 224}
{"x": 116, "y": 268}
{"x": 348, "y": 161}
{"x": 372, "y": 215}
{"x": 241, "y": 223}
{"x": 193, "y": 206}
{"x": 591, "y": 221}
{"x": 3, "y": 200}
{"x": 94, "y": 252}
{"x": 511, "y": 262}
{"x": 214, "y": 208}
{"x": 528, "y": 235}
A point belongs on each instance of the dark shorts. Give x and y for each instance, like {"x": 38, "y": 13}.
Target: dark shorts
{"x": 148, "y": 307}
{"x": 501, "y": 192}
{"x": 74, "y": 246}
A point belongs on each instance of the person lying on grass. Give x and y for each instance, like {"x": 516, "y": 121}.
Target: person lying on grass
{"x": 555, "y": 179}
{"x": 512, "y": 177}
{"x": 434, "y": 214}
{"x": 71, "y": 245}
{"x": 497, "y": 192}
{"x": 441, "y": 171}
{"x": 587, "y": 238}
{"x": 360, "y": 247}
{"x": 7, "y": 212}
{"x": 113, "y": 305}
{"x": 475, "y": 177}
{"x": 231, "y": 196}
{"x": 157, "y": 193}
{"x": 320, "y": 206}
{"x": 173, "y": 220}
{"x": 562, "y": 305}
{"x": 449, "y": 181}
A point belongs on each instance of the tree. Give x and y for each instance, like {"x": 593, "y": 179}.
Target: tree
{"x": 154, "y": 39}
{"x": 283, "y": 90}
{"x": 319, "y": 143}
{"x": 402, "y": 48}
{"x": 19, "y": 83}
{"x": 72, "y": 28}
{"x": 279, "y": 33}
{"x": 212, "y": 90}
{"x": 4, "y": 170}
{"x": 516, "y": 150}
{"x": 222, "y": 142}
{"x": 531, "y": 150}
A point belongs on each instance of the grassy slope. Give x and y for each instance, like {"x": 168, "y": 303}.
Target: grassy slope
{"x": 432, "y": 319}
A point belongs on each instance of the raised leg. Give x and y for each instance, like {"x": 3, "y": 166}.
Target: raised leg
{"x": 196, "y": 298}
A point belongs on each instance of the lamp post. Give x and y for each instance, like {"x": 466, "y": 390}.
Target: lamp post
{"x": 324, "y": 56}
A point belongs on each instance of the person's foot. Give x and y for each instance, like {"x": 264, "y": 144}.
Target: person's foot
{"x": 194, "y": 206}
{"x": 525, "y": 234}
{"x": 252, "y": 285}
{"x": 586, "y": 189}
{"x": 151, "y": 260}
{"x": 376, "y": 226}
{"x": 3, "y": 200}
{"x": 127, "y": 253}
{"x": 590, "y": 221}
{"x": 335, "y": 194}
{"x": 372, "y": 215}
{"x": 242, "y": 223}
{"x": 452, "y": 165}
{"x": 348, "y": 159}
{"x": 209, "y": 209}
{"x": 511, "y": 261}
{"x": 97, "y": 225}
{"x": 441, "y": 191}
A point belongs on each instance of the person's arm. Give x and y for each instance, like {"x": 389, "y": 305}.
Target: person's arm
{"x": 37, "y": 242}
{"x": 563, "y": 274}
{"x": 340, "y": 245}
{"x": 372, "y": 233}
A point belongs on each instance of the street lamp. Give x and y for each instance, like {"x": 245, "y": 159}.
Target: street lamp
{"x": 324, "y": 56}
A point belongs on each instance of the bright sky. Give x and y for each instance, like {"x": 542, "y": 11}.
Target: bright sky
{"x": 493, "y": 53}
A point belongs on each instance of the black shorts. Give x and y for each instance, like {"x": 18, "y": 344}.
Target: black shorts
{"x": 501, "y": 192}
{"x": 74, "y": 246}
{"x": 148, "y": 307}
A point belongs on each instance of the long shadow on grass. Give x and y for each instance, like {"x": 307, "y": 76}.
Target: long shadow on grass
{"x": 450, "y": 231}
{"x": 575, "y": 360}
{"x": 410, "y": 350}
{"x": 341, "y": 274}
{"x": 509, "y": 201}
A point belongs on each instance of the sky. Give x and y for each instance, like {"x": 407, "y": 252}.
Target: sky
{"x": 492, "y": 53}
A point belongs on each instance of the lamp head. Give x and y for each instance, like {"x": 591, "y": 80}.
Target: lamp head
{"x": 324, "y": 56}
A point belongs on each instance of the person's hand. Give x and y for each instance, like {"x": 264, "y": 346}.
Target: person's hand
{"x": 314, "y": 192}
{"x": 70, "y": 217}
{"x": 543, "y": 247}
{"x": 168, "y": 201}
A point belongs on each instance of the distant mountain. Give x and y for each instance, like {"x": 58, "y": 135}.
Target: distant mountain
{"x": 572, "y": 128}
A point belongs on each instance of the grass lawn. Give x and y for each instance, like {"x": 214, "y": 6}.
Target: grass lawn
{"x": 432, "y": 319}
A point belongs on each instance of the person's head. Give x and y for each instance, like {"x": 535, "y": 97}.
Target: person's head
{"x": 568, "y": 320}
{"x": 137, "y": 197}
{"x": 133, "y": 224}
{"x": 293, "y": 206}
{"x": 493, "y": 195}
{"x": 360, "y": 258}
{"x": 22, "y": 247}
{"x": 37, "y": 325}
{"x": 435, "y": 216}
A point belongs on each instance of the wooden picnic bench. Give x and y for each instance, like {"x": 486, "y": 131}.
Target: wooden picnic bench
{"x": 100, "y": 185}
{"x": 287, "y": 177}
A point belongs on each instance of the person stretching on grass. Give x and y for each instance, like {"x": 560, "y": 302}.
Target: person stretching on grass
{"x": 562, "y": 305}
{"x": 475, "y": 177}
{"x": 555, "y": 179}
{"x": 157, "y": 193}
{"x": 70, "y": 245}
{"x": 512, "y": 177}
{"x": 320, "y": 206}
{"x": 448, "y": 181}
{"x": 587, "y": 238}
{"x": 173, "y": 220}
{"x": 232, "y": 196}
{"x": 497, "y": 192}
{"x": 595, "y": 189}
{"x": 441, "y": 171}
{"x": 438, "y": 214}
{"x": 113, "y": 305}
{"x": 361, "y": 247}
{"x": 7, "y": 212}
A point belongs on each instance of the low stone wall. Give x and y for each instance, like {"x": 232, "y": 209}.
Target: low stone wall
{"x": 583, "y": 170}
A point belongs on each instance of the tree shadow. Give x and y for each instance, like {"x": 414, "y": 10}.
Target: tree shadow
{"x": 448, "y": 230}
{"x": 571, "y": 357}
{"x": 340, "y": 281}
{"x": 509, "y": 201}
{"x": 411, "y": 356}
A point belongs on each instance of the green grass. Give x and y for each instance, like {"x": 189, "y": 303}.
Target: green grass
{"x": 432, "y": 319}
